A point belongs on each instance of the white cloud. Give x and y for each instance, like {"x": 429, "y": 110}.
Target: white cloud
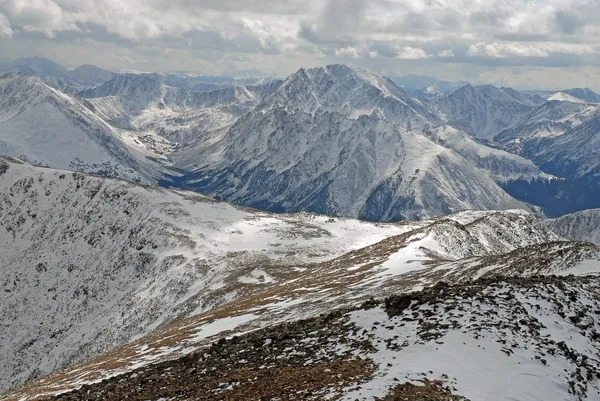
{"x": 5, "y": 29}
{"x": 382, "y": 35}
{"x": 446, "y": 53}
{"x": 347, "y": 51}
{"x": 44, "y": 16}
{"x": 508, "y": 49}
{"x": 412, "y": 53}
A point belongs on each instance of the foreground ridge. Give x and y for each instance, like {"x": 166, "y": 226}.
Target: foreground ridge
{"x": 485, "y": 339}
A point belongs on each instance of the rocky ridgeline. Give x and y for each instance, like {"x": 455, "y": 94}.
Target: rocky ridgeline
{"x": 296, "y": 360}
{"x": 339, "y": 355}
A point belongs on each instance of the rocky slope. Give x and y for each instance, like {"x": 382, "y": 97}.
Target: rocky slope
{"x": 483, "y": 340}
{"x": 90, "y": 264}
{"x": 580, "y": 226}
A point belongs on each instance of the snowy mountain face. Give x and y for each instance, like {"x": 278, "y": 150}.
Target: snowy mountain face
{"x": 565, "y": 97}
{"x": 562, "y": 139}
{"x": 550, "y": 119}
{"x": 340, "y": 141}
{"x": 483, "y": 111}
{"x": 142, "y": 103}
{"x": 558, "y": 136}
{"x": 44, "y": 126}
{"x": 501, "y": 165}
{"x": 575, "y": 153}
{"x": 580, "y": 226}
{"x": 90, "y": 264}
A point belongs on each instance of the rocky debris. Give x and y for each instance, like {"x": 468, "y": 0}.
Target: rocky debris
{"x": 431, "y": 390}
{"x": 335, "y": 355}
{"x": 514, "y": 312}
{"x": 288, "y": 362}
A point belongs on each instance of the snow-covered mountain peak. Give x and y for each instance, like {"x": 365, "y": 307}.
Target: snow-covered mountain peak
{"x": 565, "y": 97}
{"x": 483, "y": 111}
{"x": 351, "y": 92}
{"x": 341, "y": 141}
{"x": 19, "y": 92}
{"x": 138, "y": 88}
{"x": 582, "y": 94}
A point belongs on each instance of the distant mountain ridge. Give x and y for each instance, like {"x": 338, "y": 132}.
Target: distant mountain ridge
{"x": 56, "y": 75}
{"x": 580, "y": 226}
{"x": 335, "y": 140}
{"x": 482, "y": 111}
{"x": 425, "y": 87}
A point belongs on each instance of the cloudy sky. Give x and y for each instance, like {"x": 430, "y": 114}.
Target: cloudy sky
{"x": 520, "y": 43}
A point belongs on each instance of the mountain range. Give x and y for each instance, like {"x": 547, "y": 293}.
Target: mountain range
{"x": 334, "y": 140}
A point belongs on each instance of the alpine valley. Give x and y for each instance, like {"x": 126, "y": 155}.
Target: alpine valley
{"x": 334, "y": 235}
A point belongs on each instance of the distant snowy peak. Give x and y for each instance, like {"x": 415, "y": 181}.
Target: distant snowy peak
{"x": 424, "y": 87}
{"x": 342, "y": 141}
{"x": 138, "y": 92}
{"x": 87, "y": 74}
{"x": 56, "y": 75}
{"x": 35, "y": 66}
{"x": 585, "y": 94}
{"x": 351, "y": 92}
{"x": 565, "y": 97}
{"x": 483, "y": 111}
{"x": 143, "y": 88}
{"x": 576, "y": 95}
{"x": 550, "y": 119}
